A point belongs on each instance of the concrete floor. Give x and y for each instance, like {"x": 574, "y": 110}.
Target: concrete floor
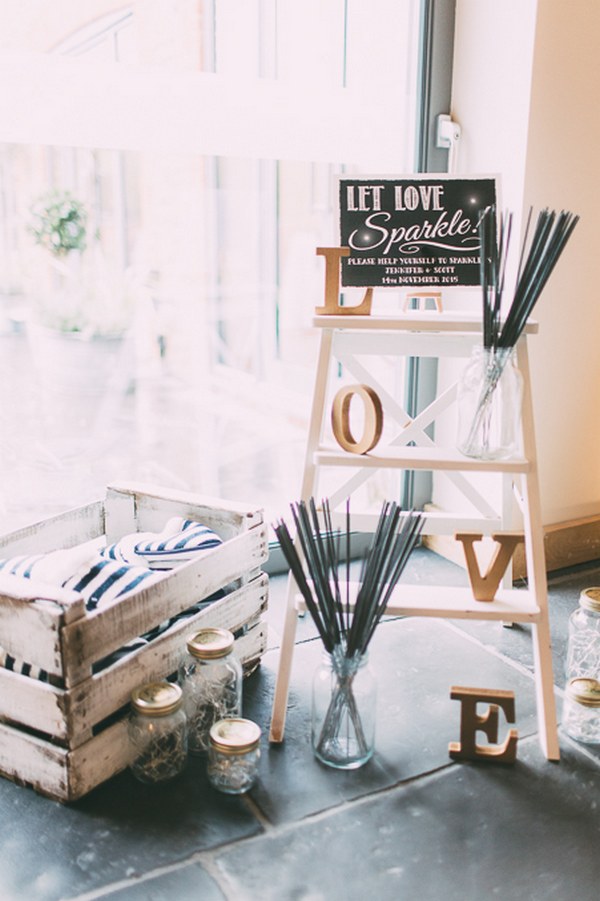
{"x": 411, "y": 824}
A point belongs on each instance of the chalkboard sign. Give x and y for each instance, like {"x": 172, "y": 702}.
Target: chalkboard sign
{"x": 418, "y": 231}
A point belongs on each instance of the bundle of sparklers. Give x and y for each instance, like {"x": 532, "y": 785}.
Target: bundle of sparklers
{"x": 344, "y": 626}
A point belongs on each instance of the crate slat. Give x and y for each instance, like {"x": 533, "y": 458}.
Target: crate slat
{"x": 31, "y": 616}
{"x": 32, "y": 703}
{"x": 97, "y": 760}
{"x": 93, "y": 637}
{"x": 105, "y": 692}
{"x": 143, "y": 508}
{"x": 32, "y": 761}
{"x": 61, "y": 531}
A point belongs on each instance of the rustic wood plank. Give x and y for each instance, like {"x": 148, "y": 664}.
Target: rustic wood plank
{"x": 251, "y": 646}
{"x": 97, "y": 760}
{"x": 61, "y": 531}
{"x": 32, "y": 703}
{"x": 32, "y": 761}
{"x": 104, "y": 693}
{"x": 120, "y": 516}
{"x": 31, "y": 616}
{"x": 154, "y": 506}
{"x": 100, "y": 633}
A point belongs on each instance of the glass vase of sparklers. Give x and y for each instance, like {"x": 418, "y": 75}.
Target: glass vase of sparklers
{"x": 344, "y": 705}
{"x": 490, "y": 388}
{"x": 489, "y": 404}
{"x": 344, "y": 688}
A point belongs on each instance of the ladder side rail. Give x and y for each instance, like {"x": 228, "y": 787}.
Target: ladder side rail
{"x": 536, "y": 571}
{"x": 286, "y": 652}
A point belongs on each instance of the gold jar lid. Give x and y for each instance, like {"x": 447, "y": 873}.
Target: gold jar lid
{"x": 157, "y": 698}
{"x": 208, "y": 644}
{"x": 234, "y": 736}
{"x": 584, "y": 691}
{"x": 589, "y": 599}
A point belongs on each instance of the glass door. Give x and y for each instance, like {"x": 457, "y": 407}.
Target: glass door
{"x": 167, "y": 171}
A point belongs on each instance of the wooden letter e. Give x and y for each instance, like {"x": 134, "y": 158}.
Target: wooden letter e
{"x": 471, "y": 723}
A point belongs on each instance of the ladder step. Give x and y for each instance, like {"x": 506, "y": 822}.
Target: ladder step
{"x": 436, "y": 523}
{"x": 427, "y": 458}
{"x": 452, "y": 602}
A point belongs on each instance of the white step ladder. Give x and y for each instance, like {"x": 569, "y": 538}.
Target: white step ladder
{"x": 344, "y": 340}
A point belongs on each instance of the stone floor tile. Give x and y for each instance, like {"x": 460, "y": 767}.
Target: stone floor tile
{"x": 416, "y": 661}
{"x": 188, "y": 883}
{"x": 527, "y": 832}
{"x": 122, "y": 829}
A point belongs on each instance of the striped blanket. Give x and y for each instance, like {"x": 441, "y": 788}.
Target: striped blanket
{"x": 103, "y": 574}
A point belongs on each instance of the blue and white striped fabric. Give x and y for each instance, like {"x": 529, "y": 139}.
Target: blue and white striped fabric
{"x": 181, "y": 540}
{"x": 28, "y": 566}
{"x": 185, "y": 614}
{"x": 20, "y": 666}
{"x": 102, "y": 583}
{"x": 55, "y": 567}
{"x": 128, "y": 648}
{"x": 22, "y": 565}
{"x": 101, "y": 575}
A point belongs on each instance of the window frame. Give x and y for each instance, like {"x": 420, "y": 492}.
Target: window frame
{"x": 434, "y": 98}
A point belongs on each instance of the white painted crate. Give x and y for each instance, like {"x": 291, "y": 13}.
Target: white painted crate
{"x": 65, "y": 741}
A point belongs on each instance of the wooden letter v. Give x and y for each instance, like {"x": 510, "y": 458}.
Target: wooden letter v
{"x": 485, "y": 587}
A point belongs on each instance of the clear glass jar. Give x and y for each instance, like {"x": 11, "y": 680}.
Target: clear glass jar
{"x": 233, "y": 755}
{"x": 583, "y": 645}
{"x": 489, "y": 398}
{"x": 157, "y": 731}
{"x": 343, "y": 711}
{"x": 211, "y": 679}
{"x": 581, "y": 710}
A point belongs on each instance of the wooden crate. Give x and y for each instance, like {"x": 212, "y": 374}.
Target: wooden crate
{"x": 64, "y": 741}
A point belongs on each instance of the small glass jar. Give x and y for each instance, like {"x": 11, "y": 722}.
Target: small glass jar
{"x": 211, "y": 679}
{"x": 157, "y": 730}
{"x": 583, "y": 645}
{"x": 233, "y": 755}
{"x": 343, "y": 711}
{"x": 581, "y": 710}
{"x": 489, "y": 404}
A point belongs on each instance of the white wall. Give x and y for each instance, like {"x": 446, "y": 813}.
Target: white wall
{"x": 491, "y": 88}
{"x": 493, "y": 56}
{"x": 562, "y": 163}
{"x": 525, "y": 91}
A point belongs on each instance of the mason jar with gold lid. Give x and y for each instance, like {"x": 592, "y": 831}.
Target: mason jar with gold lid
{"x": 157, "y": 730}
{"x": 583, "y": 646}
{"x": 581, "y": 710}
{"x": 233, "y": 755}
{"x": 211, "y": 679}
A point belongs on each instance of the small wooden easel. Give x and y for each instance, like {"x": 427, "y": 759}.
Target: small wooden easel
{"x": 346, "y": 336}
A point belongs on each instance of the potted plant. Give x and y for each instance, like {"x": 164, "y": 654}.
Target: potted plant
{"x": 59, "y": 223}
{"x": 82, "y": 305}
{"x": 85, "y": 295}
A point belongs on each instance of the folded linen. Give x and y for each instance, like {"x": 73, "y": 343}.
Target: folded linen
{"x": 103, "y": 574}
{"x": 55, "y": 567}
{"x": 179, "y": 541}
{"x": 104, "y": 581}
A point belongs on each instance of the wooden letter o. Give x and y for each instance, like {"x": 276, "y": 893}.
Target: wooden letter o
{"x": 340, "y": 419}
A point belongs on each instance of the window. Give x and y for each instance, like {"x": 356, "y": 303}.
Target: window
{"x": 202, "y": 140}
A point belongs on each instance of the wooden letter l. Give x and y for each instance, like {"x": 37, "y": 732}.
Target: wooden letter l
{"x": 333, "y": 257}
